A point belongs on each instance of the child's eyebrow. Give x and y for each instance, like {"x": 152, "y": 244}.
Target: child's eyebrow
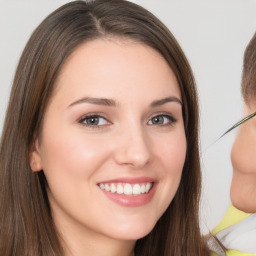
{"x": 239, "y": 123}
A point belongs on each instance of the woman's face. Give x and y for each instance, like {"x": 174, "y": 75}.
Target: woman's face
{"x": 113, "y": 144}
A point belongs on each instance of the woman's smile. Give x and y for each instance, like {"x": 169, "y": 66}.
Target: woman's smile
{"x": 129, "y": 191}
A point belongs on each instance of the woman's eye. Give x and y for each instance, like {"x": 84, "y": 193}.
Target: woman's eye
{"x": 162, "y": 120}
{"x": 94, "y": 120}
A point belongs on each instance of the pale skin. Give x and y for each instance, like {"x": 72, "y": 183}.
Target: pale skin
{"x": 116, "y": 113}
{"x": 243, "y": 187}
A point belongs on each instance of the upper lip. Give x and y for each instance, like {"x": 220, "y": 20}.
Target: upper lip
{"x": 131, "y": 180}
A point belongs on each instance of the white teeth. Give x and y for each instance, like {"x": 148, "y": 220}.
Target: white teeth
{"x": 113, "y": 188}
{"x": 136, "y": 189}
{"x": 126, "y": 188}
{"x": 107, "y": 187}
{"x": 148, "y": 187}
{"x": 143, "y": 189}
{"x": 120, "y": 189}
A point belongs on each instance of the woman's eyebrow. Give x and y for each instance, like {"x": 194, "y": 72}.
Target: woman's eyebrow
{"x": 96, "y": 101}
{"x": 112, "y": 103}
{"x": 160, "y": 102}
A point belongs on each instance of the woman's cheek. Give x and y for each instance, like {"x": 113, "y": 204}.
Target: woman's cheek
{"x": 173, "y": 153}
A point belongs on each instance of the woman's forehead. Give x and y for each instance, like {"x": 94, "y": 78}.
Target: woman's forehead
{"x": 101, "y": 64}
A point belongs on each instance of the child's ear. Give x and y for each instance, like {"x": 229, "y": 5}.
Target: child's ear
{"x": 35, "y": 157}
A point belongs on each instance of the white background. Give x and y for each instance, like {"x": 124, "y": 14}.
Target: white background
{"x": 213, "y": 35}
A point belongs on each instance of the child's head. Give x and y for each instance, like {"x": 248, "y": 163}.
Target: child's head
{"x": 243, "y": 187}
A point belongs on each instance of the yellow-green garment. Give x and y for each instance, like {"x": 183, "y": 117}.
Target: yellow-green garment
{"x": 232, "y": 217}
{"x": 233, "y": 253}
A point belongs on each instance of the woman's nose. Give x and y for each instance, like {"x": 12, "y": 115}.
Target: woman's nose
{"x": 133, "y": 148}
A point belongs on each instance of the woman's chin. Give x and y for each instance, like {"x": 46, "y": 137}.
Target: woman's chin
{"x": 132, "y": 233}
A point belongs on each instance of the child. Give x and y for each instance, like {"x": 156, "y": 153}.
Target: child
{"x": 237, "y": 231}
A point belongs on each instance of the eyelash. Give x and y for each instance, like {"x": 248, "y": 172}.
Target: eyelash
{"x": 93, "y": 116}
{"x": 171, "y": 120}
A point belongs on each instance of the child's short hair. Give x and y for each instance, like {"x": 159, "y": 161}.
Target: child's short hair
{"x": 249, "y": 72}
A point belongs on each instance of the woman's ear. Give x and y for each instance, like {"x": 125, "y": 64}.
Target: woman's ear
{"x": 35, "y": 157}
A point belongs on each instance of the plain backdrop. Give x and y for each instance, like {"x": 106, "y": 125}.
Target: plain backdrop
{"x": 213, "y": 35}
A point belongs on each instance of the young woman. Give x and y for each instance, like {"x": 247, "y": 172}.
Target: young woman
{"x": 99, "y": 151}
{"x": 237, "y": 230}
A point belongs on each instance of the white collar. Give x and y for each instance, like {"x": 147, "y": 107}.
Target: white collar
{"x": 240, "y": 236}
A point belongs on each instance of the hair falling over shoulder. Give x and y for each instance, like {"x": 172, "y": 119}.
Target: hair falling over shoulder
{"x": 26, "y": 224}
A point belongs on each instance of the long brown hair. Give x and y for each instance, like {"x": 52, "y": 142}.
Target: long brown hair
{"x": 26, "y": 224}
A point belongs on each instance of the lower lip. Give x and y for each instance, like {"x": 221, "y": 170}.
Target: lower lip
{"x": 131, "y": 201}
